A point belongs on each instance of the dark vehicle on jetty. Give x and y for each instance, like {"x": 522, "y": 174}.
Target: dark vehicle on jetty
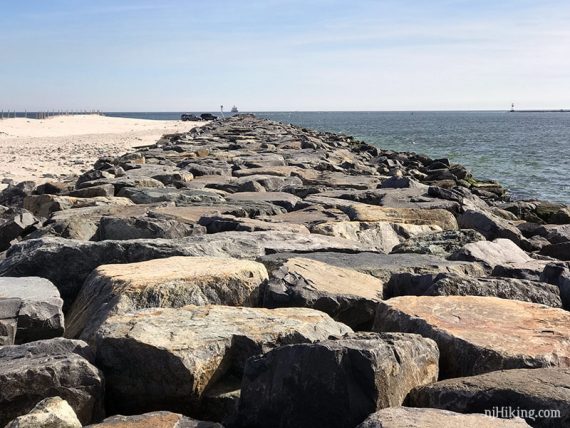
{"x": 208, "y": 116}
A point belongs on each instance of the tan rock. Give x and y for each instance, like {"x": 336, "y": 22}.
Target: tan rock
{"x": 481, "y": 334}
{"x": 346, "y": 295}
{"x": 437, "y": 217}
{"x": 53, "y": 412}
{"x": 154, "y": 420}
{"x": 163, "y": 283}
{"x": 406, "y": 417}
{"x": 44, "y": 205}
{"x": 383, "y": 236}
{"x": 173, "y": 356}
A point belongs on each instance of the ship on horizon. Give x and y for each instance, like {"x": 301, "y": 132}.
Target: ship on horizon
{"x": 234, "y": 109}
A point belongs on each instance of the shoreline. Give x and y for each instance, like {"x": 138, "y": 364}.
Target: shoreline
{"x": 61, "y": 146}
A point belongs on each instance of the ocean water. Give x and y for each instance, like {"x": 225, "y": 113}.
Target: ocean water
{"x": 529, "y": 153}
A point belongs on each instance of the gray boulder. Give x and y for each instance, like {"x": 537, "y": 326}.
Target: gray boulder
{"x": 505, "y": 288}
{"x": 163, "y": 283}
{"x": 148, "y": 227}
{"x": 346, "y": 295}
{"x": 180, "y": 197}
{"x": 193, "y": 348}
{"x": 439, "y": 243}
{"x": 334, "y": 383}
{"x": 31, "y": 309}
{"x": 522, "y": 392}
{"x": 489, "y": 225}
{"x": 406, "y": 417}
{"x": 48, "y": 368}
{"x": 14, "y": 223}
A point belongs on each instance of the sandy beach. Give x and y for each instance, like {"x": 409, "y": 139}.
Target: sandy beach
{"x": 41, "y": 150}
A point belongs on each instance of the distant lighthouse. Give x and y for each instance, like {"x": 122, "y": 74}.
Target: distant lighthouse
{"x": 512, "y": 107}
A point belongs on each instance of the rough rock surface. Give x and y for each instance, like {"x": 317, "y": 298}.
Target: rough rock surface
{"x": 505, "y": 288}
{"x": 439, "y": 243}
{"x": 346, "y": 295}
{"x": 53, "y": 412}
{"x": 67, "y": 263}
{"x": 154, "y": 420}
{"x": 193, "y": 347}
{"x": 530, "y": 390}
{"x": 55, "y": 367}
{"x": 163, "y": 283}
{"x": 481, "y": 334}
{"x": 406, "y": 417}
{"x": 354, "y": 376}
{"x": 33, "y": 306}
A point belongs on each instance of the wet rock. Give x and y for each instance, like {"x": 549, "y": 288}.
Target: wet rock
{"x": 346, "y": 295}
{"x": 354, "y": 376}
{"x": 53, "y": 412}
{"x": 163, "y": 283}
{"x": 405, "y": 417}
{"x": 518, "y": 391}
{"x": 438, "y": 243}
{"x": 67, "y": 263}
{"x": 154, "y": 420}
{"x": 33, "y": 306}
{"x": 481, "y": 334}
{"x": 200, "y": 344}
{"x": 505, "y": 288}
{"x": 55, "y": 367}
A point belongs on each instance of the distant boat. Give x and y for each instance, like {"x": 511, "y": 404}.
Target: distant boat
{"x": 234, "y": 109}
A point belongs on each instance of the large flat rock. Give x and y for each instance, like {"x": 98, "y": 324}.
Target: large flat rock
{"x": 33, "y": 306}
{"x": 481, "y": 334}
{"x": 55, "y": 367}
{"x": 436, "y": 217}
{"x": 334, "y": 383}
{"x": 395, "y": 270}
{"x": 163, "y": 283}
{"x": 346, "y": 295}
{"x": 282, "y": 199}
{"x": 525, "y": 392}
{"x": 168, "y": 358}
{"x": 67, "y": 263}
{"x": 406, "y": 417}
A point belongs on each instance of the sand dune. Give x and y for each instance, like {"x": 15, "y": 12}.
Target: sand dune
{"x": 40, "y": 150}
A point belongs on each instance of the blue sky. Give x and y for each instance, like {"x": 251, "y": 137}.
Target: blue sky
{"x": 174, "y": 55}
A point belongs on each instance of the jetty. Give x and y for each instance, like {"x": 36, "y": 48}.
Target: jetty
{"x": 252, "y": 273}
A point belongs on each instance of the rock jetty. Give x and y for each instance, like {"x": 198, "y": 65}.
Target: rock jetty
{"x": 251, "y": 273}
